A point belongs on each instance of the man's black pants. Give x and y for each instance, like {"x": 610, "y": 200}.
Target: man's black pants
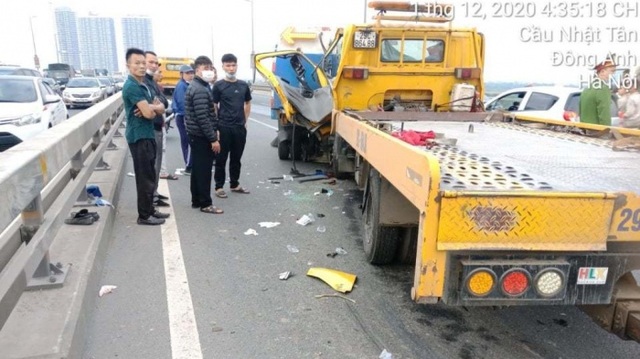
{"x": 232, "y": 142}
{"x": 143, "y": 153}
{"x": 202, "y": 160}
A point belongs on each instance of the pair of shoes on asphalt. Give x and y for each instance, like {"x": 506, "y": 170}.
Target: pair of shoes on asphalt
{"x": 187, "y": 172}
{"x": 83, "y": 217}
{"x": 160, "y": 201}
{"x": 155, "y": 219}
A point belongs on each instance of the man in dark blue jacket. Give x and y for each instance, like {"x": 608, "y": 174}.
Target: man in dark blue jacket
{"x": 186, "y": 73}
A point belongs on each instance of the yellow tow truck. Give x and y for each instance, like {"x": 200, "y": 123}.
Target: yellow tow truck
{"x": 495, "y": 209}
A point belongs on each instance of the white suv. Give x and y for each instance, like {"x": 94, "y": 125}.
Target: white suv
{"x": 28, "y": 106}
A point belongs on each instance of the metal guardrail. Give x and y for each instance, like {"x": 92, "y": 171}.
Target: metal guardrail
{"x": 40, "y": 180}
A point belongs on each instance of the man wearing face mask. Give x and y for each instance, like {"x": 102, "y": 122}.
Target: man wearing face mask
{"x": 158, "y": 123}
{"x": 186, "y": 74}
{"x": 202, "y": 124}
{"x": 232, "y": 98}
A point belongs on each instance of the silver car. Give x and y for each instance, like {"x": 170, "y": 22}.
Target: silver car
{"x": 84, "y": 91}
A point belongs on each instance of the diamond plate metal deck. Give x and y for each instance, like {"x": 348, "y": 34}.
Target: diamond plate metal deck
{"x": 505, "y": 156}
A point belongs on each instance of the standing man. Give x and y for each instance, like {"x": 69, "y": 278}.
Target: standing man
{"x": 186, "y": 76}
{"x": 141, "y": 109}
{"x": 158, "y": 122}
{"x": 232, "y": 98}
{"x": 202, "y": 126}
{"x": 595, "y": 100}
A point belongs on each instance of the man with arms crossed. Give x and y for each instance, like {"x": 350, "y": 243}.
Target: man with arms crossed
{"x": 141, "y": 109}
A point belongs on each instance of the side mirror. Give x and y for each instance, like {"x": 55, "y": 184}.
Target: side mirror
{"x": 51, "y": 99}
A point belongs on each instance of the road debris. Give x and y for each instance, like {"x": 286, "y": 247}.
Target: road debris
{"x": 250, "y": 232}
{"x": 321, "y": 229}
{"x": 131, "y": 174}
{"x": 334, "y": 295}
{"x": 385, "y": 355}
{"x": 340, "y": 281}
{"x": 288, "y": 193}
{"x": 306, "y": 219}
{"x": 341, "y": 251}
{"x": 292, "y": 249}
{"x": 106, "y": 289}
{"x": 284, "y": 275}
{"x": 268, "y": 224}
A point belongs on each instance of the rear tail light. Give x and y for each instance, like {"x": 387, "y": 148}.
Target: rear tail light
{"x": 569, "y": 116}
{"x": 467, "y": 73}
{"x": 515, "y": 282}
{"x": 549, "y": 282}
{"x": 481, "y": 282}
{"x": 355, "y": 73}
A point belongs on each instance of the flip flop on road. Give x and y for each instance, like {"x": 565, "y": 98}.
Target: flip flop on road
{"x": 169, "y": 177}
{"x": 220, "y": 193}
{"x": 240, "y": 190}
{"x": 212, "y": 210}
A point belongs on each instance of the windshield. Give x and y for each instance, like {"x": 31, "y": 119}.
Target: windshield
{"x": 83, "y": 83}
{"x": 7, "y": 71}
{"x": 105, "y": 82}
{"x": 17, "y": 90}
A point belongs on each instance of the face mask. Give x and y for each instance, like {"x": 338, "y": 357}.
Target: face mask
{"x": 208, "y": 75}
{"x": 149, "y": 72}
{"x": 230, "y": 76}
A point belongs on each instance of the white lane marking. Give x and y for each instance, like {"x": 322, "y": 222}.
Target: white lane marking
{"x": 262, "y": 123}
{"x": 185, "y": 340}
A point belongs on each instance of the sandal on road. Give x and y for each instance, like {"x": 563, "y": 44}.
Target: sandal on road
{"x": 220, "y": 193}
{"x": 240, "y": 190}
{"x": 212, "y": 210}
{"x": 169, "y": 177}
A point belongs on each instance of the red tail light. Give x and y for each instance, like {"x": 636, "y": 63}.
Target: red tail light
{"x": 355, "y": 73}
{"x": 569, "y": 116}
{"x": 515, "y": 282}
{"x": 467, "y": 73}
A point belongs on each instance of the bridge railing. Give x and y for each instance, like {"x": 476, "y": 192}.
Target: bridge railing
{"x": 40, "y": 180}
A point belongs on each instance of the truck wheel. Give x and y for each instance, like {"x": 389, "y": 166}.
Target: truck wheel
{"x": 380, "y": 242}
{"x": 284, "y": 150}
{"x": 338, "y": 145}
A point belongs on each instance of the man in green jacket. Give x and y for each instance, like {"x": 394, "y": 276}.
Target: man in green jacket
{"x": 595, "y": 100}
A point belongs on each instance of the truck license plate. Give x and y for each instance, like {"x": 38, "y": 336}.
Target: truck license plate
{"x": 364, "y": 40}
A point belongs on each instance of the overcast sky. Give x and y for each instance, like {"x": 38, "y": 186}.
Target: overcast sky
{"x": 186, "y": 28}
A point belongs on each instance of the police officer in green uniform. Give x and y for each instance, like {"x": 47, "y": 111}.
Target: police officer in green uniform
{"x": 595, "y": 100}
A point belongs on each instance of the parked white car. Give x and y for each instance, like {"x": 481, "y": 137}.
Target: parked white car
{"x": 84, "y": 91}
{"x": 550, "y": 102}
{"x": 28, "y": 106}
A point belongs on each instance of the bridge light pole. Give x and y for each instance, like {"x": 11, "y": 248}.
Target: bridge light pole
{"x": 36, "y": 60}
{"x": 253, "y": 49}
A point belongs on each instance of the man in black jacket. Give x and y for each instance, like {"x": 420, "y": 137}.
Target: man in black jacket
{"x": 202, "y": 126}
{"x": 158, "y": 123}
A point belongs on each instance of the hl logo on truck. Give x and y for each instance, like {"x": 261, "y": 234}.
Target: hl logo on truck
{"x": 591, "y": 275}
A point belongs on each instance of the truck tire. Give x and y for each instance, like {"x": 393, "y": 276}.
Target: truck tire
{"x": 380, "y": 242}
{"x": 338, "y": 144}
{"x": 284, "y": 150}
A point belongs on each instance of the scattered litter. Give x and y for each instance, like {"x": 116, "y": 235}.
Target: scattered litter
{"x": 216, "y": 329}
{"x": 288, "y": 193}
{"x": 332, "y": 254}
{"x": 331, "y": 182}
{"x": 275, "y": 182}
{"x": 340, "y": 281}
{"x": 106, "y": 289}
{"x": 385, "y": 355}
{"x": 335, "y": 296}
{"x": 292, "y": 249}
{"x": 287, "y": 178}
{"x": 336, "y": 207}
{"x": 284, "y": 275}
{"x": 251, "y": 232}
{"x": 328, "y": 192}
{"x": 322, "y": 229}
{"x": 261, "y": 182}
{"x": 131, "y": 174}
{"x": 306, "y": 219}
{"x": 268, "y": 224}
{"x": 310, "y": 263}
{"x": 341, "y": 251}
{"x": 103, "y": 202}
{"x": 320, "y": 215}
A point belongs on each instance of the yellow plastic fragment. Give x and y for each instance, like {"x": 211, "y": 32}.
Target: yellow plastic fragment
{"x": 340, "y": 281}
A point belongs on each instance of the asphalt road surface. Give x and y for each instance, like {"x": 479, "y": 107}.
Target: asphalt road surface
{"x": 198, "y": 287}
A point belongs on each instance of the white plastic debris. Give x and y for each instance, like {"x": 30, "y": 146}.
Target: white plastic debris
{"x": 341, "y": 251}
{"x": 251, "y": 232}
{"x": 106, "y": 289}
{"x": 322, "y": 229}
{"x": 306, "y": 219}
{"x": 385, "y": 355}
{"x": 292, "y": 249}
{"x": 131, "y": 174}
{"x": 288, "y": 193}
{"x": 268, "y": 224}
{"x": 284, "y": 275}
{"x": 287, "y": 178}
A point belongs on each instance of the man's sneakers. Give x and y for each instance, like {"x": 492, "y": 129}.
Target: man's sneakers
{"x": 187, "y": 172}
{"x": 151, "y": 221}
{"x": 160, "y": 215}
{"x": 161, "y": 203}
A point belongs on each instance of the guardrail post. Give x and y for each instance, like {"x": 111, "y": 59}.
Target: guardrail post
{"x": 47, "y": 275}
{"x": 102, "y": 165}
{"x": 107, "y": 127}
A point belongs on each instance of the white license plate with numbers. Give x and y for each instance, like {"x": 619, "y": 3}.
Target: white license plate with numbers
{"x": 365, "y": 40}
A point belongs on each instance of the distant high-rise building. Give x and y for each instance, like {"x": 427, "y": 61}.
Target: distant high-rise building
{"x": 137, "y": 32}
{"x": 69, "y": 51}
{"x": 97, "y": 37}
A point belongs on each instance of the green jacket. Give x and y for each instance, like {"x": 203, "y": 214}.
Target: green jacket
{"x": 595, "y": 104}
